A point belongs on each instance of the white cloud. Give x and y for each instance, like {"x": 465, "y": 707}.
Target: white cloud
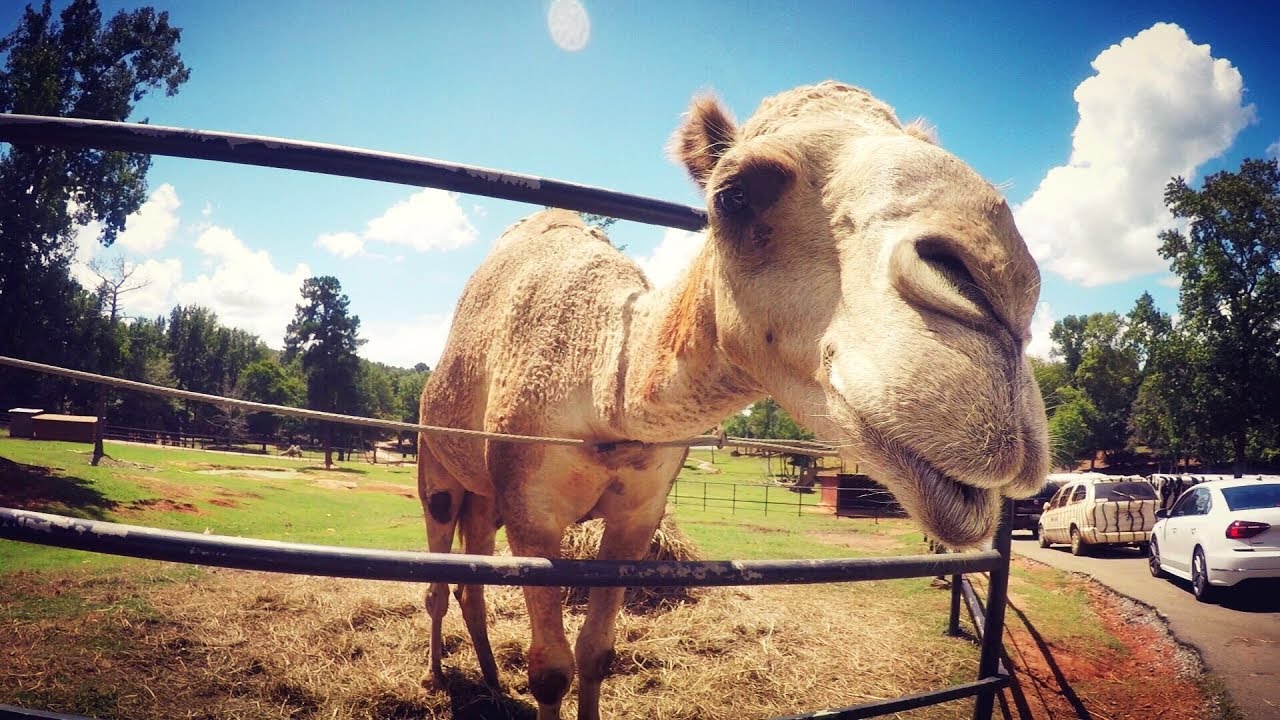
{"x": 1273, "y": 150}
{"x": 158, "y": 280}
{"x": 150, "y": 228}
{"x": 343, "y": 244}
{"x": 1158, "y": 106}
{"x": 1041, "y": 345}
{"x": 243, "y": 286}
{"x": 672, "y": 255}
{"x": 1172, "y": 281}
{"x": 405, "y": 344}
{"x": 429, "y": 219}
{"x": 87, "y": 250}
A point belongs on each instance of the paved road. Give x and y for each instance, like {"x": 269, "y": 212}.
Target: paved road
{"x": 1239, "y": 637}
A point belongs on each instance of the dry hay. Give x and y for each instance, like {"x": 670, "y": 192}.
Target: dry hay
{"x": 670, "y": 544}
{"x": 230, "y": 644}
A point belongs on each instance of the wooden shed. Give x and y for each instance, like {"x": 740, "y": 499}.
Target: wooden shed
{"x": 20, "y": 422}
{"x": 857, "y": 495}
{"x": 67, "y": 428}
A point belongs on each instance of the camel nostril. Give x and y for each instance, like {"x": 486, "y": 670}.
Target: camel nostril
{"x": 934, "y": 272}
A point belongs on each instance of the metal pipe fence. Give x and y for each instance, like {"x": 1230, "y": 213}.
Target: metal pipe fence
{"x": 255, "y": 554}
{"x": 776, "y": 498}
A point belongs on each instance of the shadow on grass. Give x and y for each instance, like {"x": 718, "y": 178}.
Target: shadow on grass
{"x": 1068, "y": 693}
{"x": 336, "y": 469}
{"x": 30, "y": 487}
{"x": 471, "y": 700}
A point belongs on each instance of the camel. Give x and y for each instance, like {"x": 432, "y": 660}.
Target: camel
{"x": 865, "y": 278}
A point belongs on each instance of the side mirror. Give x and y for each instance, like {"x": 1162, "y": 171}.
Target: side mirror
{"x": 1045, "y": 508}
{"x": 1162, "y": 514}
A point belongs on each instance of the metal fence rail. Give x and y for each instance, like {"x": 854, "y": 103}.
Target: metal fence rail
{"x": 344, "y": 161}
{"x": 253, "y": 554}
{"x": 370, "y": 564}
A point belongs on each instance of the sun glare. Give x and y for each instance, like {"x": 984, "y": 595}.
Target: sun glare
{"x": 570, "y": 28}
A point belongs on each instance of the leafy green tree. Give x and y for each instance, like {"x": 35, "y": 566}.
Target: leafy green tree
{"x": 267, "y": 381}
{"x": 324, "y": 335}
{"x": 1068, "y": 335}
{"x": 1229, "y": 263}
{"x": 1051, "y": 376}
{"x": 1106, "y": 375}
{"x": 1071, "y": 428}
{"x": 766, "y": 419}
{"x": 77, "y": 66}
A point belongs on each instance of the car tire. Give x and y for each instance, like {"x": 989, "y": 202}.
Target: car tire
{"x": 1200, "y": 586}
{"x": 1153, "y": 560}
{"x": 1044, "y": 541}
{"x": 1078, "y": 545}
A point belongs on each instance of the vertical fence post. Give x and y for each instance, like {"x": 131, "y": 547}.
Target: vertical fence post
{"x": 766, "y": 500}
{"x": 704, "y": 495}
{"x": 953, "y": 623}
{"x": 993, "y": 630}
{"x": 733, "y": 504}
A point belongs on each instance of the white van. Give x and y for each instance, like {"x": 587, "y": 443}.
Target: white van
{"x": 1097, "y": 509}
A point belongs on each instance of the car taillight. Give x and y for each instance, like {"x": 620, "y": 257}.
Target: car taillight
{"x": 1245, "y": 529}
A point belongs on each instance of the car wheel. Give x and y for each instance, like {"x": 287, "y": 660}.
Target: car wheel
{"x": 1078, "y": 545}
{"x": 1153, "y": 559}
{"x": 1044, "y": 541}
{"x": 1200, "y": 586}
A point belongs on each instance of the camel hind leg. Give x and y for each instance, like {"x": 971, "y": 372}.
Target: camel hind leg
{"x": 479, "y": 527}
{"x": 442, "y": 498}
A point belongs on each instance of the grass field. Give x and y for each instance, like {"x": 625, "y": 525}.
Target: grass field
{"x": 114, "y": 637}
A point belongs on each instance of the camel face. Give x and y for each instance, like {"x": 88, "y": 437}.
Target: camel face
{"x": 878, "y": 289}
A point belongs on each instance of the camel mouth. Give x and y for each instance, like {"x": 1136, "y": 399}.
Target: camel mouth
{"x": 959, "y": 514}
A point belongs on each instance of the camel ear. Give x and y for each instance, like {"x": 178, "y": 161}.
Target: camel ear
{"x": 703, "y": 138}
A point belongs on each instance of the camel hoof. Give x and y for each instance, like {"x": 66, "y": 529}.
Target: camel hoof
{"x": 434, "y": 680}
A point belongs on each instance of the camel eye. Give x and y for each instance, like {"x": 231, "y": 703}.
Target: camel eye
{"x": 731, "y": 200}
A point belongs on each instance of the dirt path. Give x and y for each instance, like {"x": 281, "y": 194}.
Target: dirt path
{"x": 1239, "y": 640}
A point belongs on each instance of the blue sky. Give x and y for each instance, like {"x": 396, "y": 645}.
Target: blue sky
{"x": 1008, "y": 86}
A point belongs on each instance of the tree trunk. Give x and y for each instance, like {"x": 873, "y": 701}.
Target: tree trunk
{"x": 328, "y": 446}
{"x": 1239, "y": 443}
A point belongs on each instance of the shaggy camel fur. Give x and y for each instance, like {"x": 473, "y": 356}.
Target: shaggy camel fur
{"x": 865, "y": 278}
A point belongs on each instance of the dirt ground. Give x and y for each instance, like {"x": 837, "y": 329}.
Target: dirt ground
{"x": 1144, "y": 674}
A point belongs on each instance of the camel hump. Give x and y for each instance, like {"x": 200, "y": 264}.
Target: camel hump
{"x": 540, "y": 223}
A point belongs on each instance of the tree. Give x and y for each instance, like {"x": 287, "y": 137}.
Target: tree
{"x": 1071, "y": 428}
{"x": 1068, "y": 340}
{"x": 766, "y": 419}
{"x": 267, "y": 381}
{"x": 1229, "y": 263}
{"x": 114, "y": 280}
{"x": 1105, "y": 376}
{"x": 73, "y": 66}
{"x": 324, "y": 336}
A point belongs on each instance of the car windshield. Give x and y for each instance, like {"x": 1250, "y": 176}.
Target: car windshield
{"x": 1124, "y": 491}
{"x": 1047, "y": 492}
{"x": 1252, "y": 497}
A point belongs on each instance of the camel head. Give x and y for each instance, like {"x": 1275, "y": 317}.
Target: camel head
{"x": 878, "y": 288}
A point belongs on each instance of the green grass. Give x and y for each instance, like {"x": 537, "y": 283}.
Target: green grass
{"x": 165, "y": 488}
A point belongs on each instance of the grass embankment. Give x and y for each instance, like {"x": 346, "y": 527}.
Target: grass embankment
{"x": 113, "y": 637}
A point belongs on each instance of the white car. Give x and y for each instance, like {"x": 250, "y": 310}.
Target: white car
{"x": 1093, "y": 509}
{"x": 1218, "y": 534}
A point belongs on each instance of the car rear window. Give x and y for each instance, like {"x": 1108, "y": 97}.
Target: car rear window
{"x": 1252, "y": 497}
{"x": 1124, "y": 491}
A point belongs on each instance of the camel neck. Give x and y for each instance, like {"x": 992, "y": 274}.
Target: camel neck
{"x": 678, "y": 380}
